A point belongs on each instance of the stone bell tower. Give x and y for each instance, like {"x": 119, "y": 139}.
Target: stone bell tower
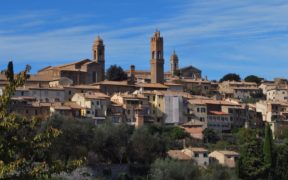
{"x": 174, "y": 64}
{"x": 98, "y": 54}
{"x": 157, "y": 60}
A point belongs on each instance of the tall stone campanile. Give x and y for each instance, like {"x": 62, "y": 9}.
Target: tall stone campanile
{"x": 157, "y": 60}
{"x": 174, "y": 64}
{"x": 98, "y": 54}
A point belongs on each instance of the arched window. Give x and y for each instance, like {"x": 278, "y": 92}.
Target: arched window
{"x": 153, "y": 54}
{"x": 158, "y": 54}
{"x": 94, "y": 54}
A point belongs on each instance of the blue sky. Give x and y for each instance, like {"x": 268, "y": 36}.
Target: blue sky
{"x": 218, "y": 37}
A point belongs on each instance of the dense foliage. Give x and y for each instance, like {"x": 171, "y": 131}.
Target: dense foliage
{"x": 24, "y": 143}
{"x": 116, "y": 73}
{"x": 231, "y": 77}
{"x": 253, "y": 78}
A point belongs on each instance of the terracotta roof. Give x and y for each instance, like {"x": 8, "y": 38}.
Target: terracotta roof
{"x": 132, "y": 96}
{"x": 228, "y": 153}
{"x": 31, "y": 78}
{"x": 189, "y": 67}
{"x": 173, "y": 93}
{"x": 116, "y": 83}
{"x": 199, "y": 81}
{"x": 212, "y": 101}
{"x": 218, "y": 113}
{"x": 47, "y": 88}
{"x": 195, "y": 132}
{"x": 240, "y": 83}
{"x": 193, "y": 123}
{"x": 68, "y": 66}
{"x": 152, "y": 85}
{"x": 178, "y": 154}
{"x": 197, "y": 149}
{"x": 82, "y": 87}
{"x": 94, "y": 95}
{"x": 172, "y": 84}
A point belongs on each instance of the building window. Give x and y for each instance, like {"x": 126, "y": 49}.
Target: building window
{"x": 196, "y": 155}
{"x": 158, "y": 54}
{"x": 205, "y": 155}
{"x": 70, "y": 92}
{"x": 94, "y": 76}
{"x": 153, "y": 54}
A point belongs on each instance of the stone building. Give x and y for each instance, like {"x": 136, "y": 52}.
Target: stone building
{"x": 93, "y": 105}
{"x": 238, "y": 90}
{"x": 135, "y": 107}
{"x": 81, "y": 72}
{"x": 225, "y": 158}
{"x": 198, "y": 154}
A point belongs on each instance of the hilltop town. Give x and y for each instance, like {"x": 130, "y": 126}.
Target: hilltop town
{"x": 179, "y": 98}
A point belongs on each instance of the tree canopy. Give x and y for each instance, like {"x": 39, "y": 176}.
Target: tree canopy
{"x": 231, "y": 77}
{"x": 253, "y": 78}
{"x": 116, "y": 73}
{"x": 25, "y": 143}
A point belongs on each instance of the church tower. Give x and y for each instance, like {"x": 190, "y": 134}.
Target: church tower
{"x": 98, "y": 54}
{"x": 157, "y": 60}
{"x": 174, "y": 64}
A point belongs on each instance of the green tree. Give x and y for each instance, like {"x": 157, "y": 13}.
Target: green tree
{"x": 169, "y": 169}
{"x": 110, "y": 142}
{"x": 268, "y": 145}
{"x": 69, "y": 148}
{"x": 250, "y": 164}
{"x": 281, "y": 162}
{"x": 253, "y": 78}
{"x": 10, "y": 72}
{"x": 245, "y": 135}
{"x": 145, "y": 147}
{"x": 24, "y": 143}
{"x": 230, "y": 77}
{"x": 215, "y": 171}
{"x": 210, "y": 136}
{"x": 177, "y": 133}
{"x": 116, "y": 73}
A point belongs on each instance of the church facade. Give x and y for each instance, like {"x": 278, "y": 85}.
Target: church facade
{"x": 81, "y": 72}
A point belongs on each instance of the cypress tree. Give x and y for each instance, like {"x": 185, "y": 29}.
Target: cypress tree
{"x": 268, "y": 146}
{"x": 10, "y": 72}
